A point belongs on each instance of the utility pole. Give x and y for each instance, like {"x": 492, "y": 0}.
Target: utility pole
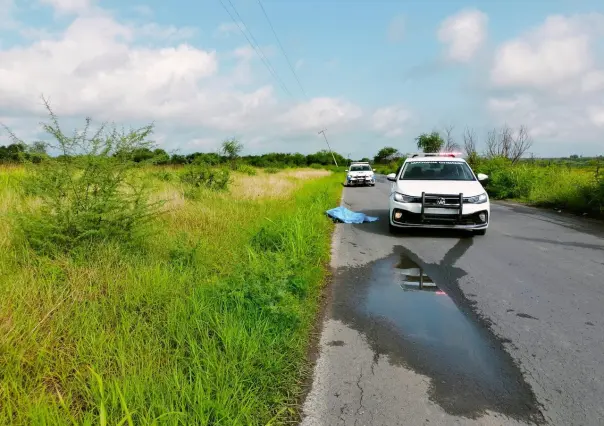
{"x": 327, "y": 142}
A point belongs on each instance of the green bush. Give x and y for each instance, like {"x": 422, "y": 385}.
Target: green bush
{"x": 202, "y": 176}
{"x": 545, "y": 184}
{"x": 95, "y": 196}
{"x": 248, "y": 170}
{"x": 163, "y": 175}
{"x": 271, "y": 170}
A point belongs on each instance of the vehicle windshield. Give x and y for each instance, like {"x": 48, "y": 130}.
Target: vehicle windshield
{"x": 437, "y": 170}
{"x": 360, "y": 168}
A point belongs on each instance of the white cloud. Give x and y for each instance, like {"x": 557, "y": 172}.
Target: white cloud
{"x": 396, "y": 29}
{"x": 390, "y": 121}
{"x": 463, "y": 33}
{"x": 554, "y": 79}
{"x": 69, "y": 6}
{"x": 103, "y": 68}
{"x": 596, "y": 115}
{"x": 161, "y": 32}
{"x": 554, "y": 53}
{"x": 319, "y": 112}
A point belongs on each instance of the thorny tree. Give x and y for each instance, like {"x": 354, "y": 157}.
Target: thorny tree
{"x": 450, "y": 144}
{"x": 506, "y": 143}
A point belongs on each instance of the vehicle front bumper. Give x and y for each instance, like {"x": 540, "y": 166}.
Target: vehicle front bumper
{"x": 413, "y": 216}
{"x": 360, "y": 180}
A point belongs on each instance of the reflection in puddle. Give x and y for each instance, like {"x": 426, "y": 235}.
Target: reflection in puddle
{"x": 414, "y": 278}
{"x": 425, "y": 330}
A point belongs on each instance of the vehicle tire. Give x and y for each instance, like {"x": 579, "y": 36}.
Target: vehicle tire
{"x": 480, "y": 232}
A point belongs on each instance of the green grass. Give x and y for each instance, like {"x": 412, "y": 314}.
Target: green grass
{"x": 207, "y": 323}
{"x": 574, "y": 189}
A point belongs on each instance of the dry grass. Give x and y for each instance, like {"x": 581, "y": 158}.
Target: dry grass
{"x": 273, "y": 186}
{"x": 307, "y": 173}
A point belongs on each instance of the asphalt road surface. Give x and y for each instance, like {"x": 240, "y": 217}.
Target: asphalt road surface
{"x": 505, "y": 328}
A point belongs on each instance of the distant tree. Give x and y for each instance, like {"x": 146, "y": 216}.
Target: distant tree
{"x": 430, "y": 142}
{"x": 450, "y": 144}
{"x": 386, "y": 155}
{"x": 231, "y": 148}
{"x": 160, "y": 157}
{"x": 508, "y": 144}
{"x": 37, "y": 152}
{"x": 469, "y": 144}
{"x": 365, "y": 160}
{"x": 141, "y": 154}
{"x": 38, "y": 147}
{"x": 178, "y": 159}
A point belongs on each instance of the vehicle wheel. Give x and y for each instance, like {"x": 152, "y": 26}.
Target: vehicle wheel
{"x": 480, "y": 232}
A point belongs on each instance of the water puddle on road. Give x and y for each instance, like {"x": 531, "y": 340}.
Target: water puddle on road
{"x": 408, "y": 317}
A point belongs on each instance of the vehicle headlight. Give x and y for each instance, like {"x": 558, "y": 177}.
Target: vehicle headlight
{"x": 477, "y": 199}
{"x": 402, "y": 198}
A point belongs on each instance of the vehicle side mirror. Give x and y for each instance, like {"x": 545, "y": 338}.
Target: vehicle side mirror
{"x": 373, "y": 170}
{"x": 346, "y": 170}
{"x": 391, "y": 177}
{"x": 482, "y": 176}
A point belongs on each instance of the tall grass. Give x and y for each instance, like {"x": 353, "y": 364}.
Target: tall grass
{"x": 579, "y": 190}
{"x": 206, "y": 323}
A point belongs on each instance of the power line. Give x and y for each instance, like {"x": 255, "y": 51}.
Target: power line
{"x": 291, "y": 67}
{"x": 256, "y": 47}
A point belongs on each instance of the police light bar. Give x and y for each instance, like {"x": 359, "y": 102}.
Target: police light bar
{"x": 436, "y": 154}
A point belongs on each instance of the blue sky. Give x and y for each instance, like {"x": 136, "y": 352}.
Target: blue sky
{"x": 376, "y": 73}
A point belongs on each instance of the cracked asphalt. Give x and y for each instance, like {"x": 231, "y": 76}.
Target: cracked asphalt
{"x": 513, "y": 336}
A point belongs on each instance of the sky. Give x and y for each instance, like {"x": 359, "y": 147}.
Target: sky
{"x": 373, "y": 73}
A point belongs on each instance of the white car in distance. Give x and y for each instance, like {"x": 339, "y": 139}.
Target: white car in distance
{"x": 438, "y": 191}
{"x": 360, "y": 173}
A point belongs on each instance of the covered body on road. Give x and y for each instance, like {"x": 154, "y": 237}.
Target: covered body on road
{"x": 438, "y": 191}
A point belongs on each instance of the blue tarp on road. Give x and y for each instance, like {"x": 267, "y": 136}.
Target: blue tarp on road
{"x": 342, "y": 214}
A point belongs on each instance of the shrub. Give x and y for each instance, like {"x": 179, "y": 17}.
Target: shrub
{"x": 202, "y": 176}
{"x": 271, "y": 170}
{"x": 163, "y": 175}
{"x": 248, "y": 170}
{"x": 91, "y": 192}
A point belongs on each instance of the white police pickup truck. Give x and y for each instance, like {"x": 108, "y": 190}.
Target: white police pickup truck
{"x": 438, "y": 191}
{"x": 360, "y": 173}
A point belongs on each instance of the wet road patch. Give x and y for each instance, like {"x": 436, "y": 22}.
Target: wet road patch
{"x": 407, "y": 314}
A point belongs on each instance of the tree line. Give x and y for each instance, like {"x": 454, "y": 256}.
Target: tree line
{"x": 230, "y": 151}
{"x": 504, "y": 142}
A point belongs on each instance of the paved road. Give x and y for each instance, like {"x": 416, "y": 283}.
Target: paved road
{"x": 513, "y": 336}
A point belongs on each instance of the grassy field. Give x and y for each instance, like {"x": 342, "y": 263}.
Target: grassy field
{"x": 576, "y": 189}
{"x": 207, "y": 322}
